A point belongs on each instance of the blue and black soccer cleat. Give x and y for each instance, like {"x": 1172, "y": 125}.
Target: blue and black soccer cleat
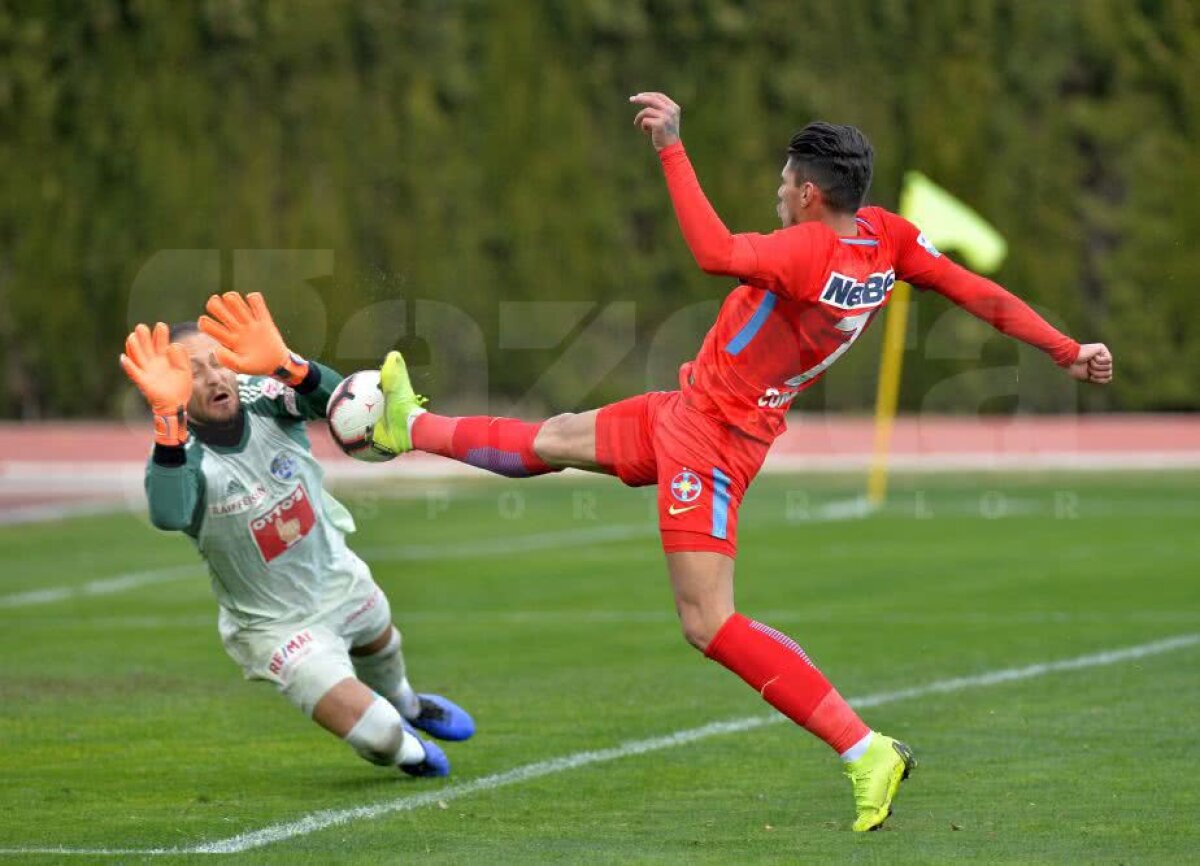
{"x": 435, "y": 764}
{"x": 444, "y": 719}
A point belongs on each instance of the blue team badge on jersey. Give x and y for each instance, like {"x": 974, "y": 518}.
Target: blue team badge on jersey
{"x": 928, "y": 244}
{"x": 686, "y": 486}
{"x": 284, "y": 466}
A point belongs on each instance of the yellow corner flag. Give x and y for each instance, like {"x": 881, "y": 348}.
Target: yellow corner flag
{"x": 948, "y": 224}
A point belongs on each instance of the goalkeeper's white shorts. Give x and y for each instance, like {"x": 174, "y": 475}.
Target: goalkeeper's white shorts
{"x": 308, "y": 656}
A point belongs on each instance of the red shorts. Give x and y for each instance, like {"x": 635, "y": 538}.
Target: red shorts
{"x": 702, "y": 467}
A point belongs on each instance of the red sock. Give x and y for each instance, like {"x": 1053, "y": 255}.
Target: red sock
{"x": 500, "y": 445}
{"x": 781, "y": 672}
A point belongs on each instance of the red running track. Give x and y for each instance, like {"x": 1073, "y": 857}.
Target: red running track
{"x": 53, "y": 463}
{"x": 814, "y": 436}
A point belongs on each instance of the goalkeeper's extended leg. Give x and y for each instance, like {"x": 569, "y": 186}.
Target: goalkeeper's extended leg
{"x": 376, "y": 731}
{"x": 380, "y": 664}
{"x": 506, "y": 446}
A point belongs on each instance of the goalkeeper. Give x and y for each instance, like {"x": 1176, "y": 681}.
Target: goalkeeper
{"x": 233, "y": 470}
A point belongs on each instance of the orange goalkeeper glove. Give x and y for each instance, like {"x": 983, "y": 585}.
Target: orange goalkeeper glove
{"x": 250, "y": 342}
{"x": 163, "y": 374}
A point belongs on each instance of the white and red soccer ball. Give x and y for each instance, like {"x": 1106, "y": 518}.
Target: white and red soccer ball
{"x": 354, "y": 408}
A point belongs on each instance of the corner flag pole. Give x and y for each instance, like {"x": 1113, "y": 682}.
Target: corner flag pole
{"x": 946, "y": 223}
{"x": 887, "y": 393}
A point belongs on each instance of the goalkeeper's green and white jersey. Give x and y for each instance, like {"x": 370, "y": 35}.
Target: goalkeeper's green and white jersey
{"x": 273, "y": 538}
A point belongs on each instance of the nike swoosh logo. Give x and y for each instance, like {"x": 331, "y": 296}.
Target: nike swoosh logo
{"x": 673, "y": 510}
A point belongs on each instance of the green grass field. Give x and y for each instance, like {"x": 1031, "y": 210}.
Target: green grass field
{"x": 543, "y": 607}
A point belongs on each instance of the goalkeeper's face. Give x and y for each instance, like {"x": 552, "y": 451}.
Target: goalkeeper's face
{"x": 214, "y": 388}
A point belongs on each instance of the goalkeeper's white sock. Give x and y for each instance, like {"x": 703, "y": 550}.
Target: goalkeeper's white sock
{"x": 384, "y": 672}
{"x": 379, "y": 737}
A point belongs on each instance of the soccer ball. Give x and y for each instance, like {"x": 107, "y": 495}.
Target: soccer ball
{"x": 354, "y": 408}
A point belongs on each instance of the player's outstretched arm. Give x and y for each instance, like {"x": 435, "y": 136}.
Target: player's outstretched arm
{"x": 778, "y": 262}
{"x": 1010, "y": 315}
{"x": 919, "y": 263}
{"x": 161, "y": 371}
{"x": 659, "y": 118}
{"x": 715, "y": 248}
{"x": 1093, "y": 364}
{"x": 251, "y": 344}
{"x": 250, "y": 341}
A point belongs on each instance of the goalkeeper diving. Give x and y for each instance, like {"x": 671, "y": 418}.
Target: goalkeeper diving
{"x": 233, "y": 470}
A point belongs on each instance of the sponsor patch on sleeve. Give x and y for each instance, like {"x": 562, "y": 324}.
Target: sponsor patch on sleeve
{"x": 289, "y": 402}
{"x": 273, "y": 389}
{"x": 928, "y": 245}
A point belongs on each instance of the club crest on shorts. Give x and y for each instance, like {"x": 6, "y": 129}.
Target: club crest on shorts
{"x": 686, "y": 486}
{"x": 283, "y": 466}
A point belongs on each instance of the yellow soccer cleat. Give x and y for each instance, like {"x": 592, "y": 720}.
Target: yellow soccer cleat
{"x": 400, "y": 403}
{"x": 876, "y": 778}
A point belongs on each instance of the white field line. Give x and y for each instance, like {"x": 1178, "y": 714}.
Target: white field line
{"x": 325, "y": 819}
{"x": 541, "y": 618}
{"x": 50, "y": 513}
{"x": 1039, "y": 461}
{"x": 105, "y": 478}
{"x": 36, "y": 476}
{"x": 408, "y": 552}
{"x": 847, "y": 509}
{"x": 573, "y": 618}
{"x": 512, "y": 544}
{"x": 105, "y": 586}
{"x": 478, "y": 549}
{"x": 844, "y": 509}
{"x": 481, "y": 548}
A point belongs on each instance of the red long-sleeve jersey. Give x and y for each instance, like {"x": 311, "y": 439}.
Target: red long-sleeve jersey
{"x": 806, "y": 296}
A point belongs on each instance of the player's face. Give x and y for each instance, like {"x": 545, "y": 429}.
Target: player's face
{"x": 214, "y": 388}
{"x": 793, "y": 200}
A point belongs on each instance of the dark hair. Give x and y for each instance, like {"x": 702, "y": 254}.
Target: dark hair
{"x": 837, "y": 159}
{"x": 183, "y": 329}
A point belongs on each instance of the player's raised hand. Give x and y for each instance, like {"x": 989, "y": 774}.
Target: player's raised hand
{"x": 250, "y": 341}
{"x": 1094, "y": 364}
{"x": 158, "y": 367}
{"x": 659, "y": 118}
{"x": 163, "y": 374}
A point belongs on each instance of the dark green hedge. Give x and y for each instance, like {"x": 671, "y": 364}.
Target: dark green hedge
{"x": 457, "y": 155}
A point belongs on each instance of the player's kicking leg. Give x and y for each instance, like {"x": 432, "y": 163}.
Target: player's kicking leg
{"x": 777, "y": 668}
{"x": 506, "y": 446}
{"x": 380, "y": 664}
{"x": 646, "y": 440}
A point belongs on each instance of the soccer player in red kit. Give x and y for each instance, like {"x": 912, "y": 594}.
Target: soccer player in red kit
{"x": 807, "y": 293}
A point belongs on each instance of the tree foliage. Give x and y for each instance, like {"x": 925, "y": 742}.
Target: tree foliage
{"x": 458, "y": 158}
